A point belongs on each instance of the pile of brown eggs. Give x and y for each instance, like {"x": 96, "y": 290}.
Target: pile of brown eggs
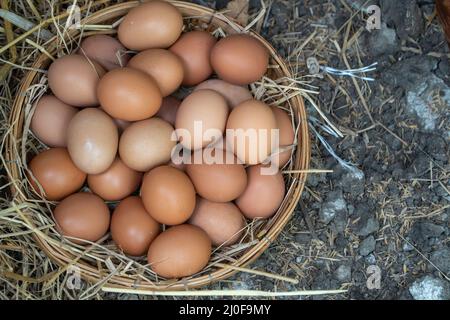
{"x": 111, "y": 121}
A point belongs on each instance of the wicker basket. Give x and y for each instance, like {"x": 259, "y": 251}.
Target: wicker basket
{"x": 95, "y": 265}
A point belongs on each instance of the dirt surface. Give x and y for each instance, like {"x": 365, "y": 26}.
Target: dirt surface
{"x": 386, "y": 215}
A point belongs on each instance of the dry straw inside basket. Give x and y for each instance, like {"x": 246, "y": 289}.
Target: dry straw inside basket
{"x": 102, "y": 262}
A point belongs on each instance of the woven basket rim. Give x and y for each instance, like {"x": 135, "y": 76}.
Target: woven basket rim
{"x": 302, "y": 157}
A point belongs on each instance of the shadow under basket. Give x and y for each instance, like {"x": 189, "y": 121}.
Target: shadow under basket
{"x": 103, "y": 262}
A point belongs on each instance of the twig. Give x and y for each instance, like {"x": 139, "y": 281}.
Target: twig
{"x": 225, "y": 293}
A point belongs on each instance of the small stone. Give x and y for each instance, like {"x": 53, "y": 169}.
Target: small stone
{"x": 367, "y": 246}
{"x": 413, "y": 70}
{"x": 350, "y": 209}
{"x": 361, "y": 5}
{"x": 367, "y": 225}
{"x": 370, "y": 259}
{"x": 334, "y": 203}
{"x": 421, "y": 102}
{"x": 383, "y": 41}
{"x": 405, "y": 16}
{"x": 340, "y": 221}
{"x": 428, "y": 230}
{"x": 441, "y": 258}
{"x": 343, "y": 273}
{"x": 352, "y": 181}
{"x": 407, "y": 247}
{"x": 341, "y": 241}
{"x": 430, "y": 288}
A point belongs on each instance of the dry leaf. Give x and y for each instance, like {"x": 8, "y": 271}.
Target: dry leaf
{"x": 238, "y": 9}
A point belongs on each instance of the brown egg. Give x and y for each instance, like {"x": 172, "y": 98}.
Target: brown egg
{"x": 194, "y": 49}
{"x": 239, "y": 59}
{"x": 92, "y": 140}
{"x": 169, "y": 109}
{"x": 105, "y": 50}
{"x": 146, "y": 144}
{"x": 252, "y": 143}
{"x": 263, "y": 195}
{"x": 201, "y": 119}
{"x": 163, "y": 66}
{"x": 129, "y": 94}
{"x": 132, "y": 228}
{"x": 50, "y": 120}
{"x": 218, "y": 176}
{"x": 168, "y": 195}
{"x": 73, "y": 79}
{"x": 82, "y": 215}
{"x": 116, "y": 183}
{"x": 56, "y": 173}
{"x": 287, "y": 136}
{"x": 223, "y": 222}
{"x": 180, "y": 251}
{"x": 155, "y": 24}
{"x": 234, "y": 94}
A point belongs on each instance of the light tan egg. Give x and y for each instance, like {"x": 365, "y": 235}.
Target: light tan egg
{"x": 92, "y": 140}
{"x": 194, "y": 49}
{"x": 163, "y": 66}
{"x": 286, "y": 136}
{"x": 105, "y": 50}
{"x": 146, "y": 144}
{"x": 249, "y": 133}
{"x": 73, "y": 79}
{"x": 50, "y": 120}
{"x": 201, "y": 119}
{"x": 263, "y": 194}
{"x": 223, "y": 222}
